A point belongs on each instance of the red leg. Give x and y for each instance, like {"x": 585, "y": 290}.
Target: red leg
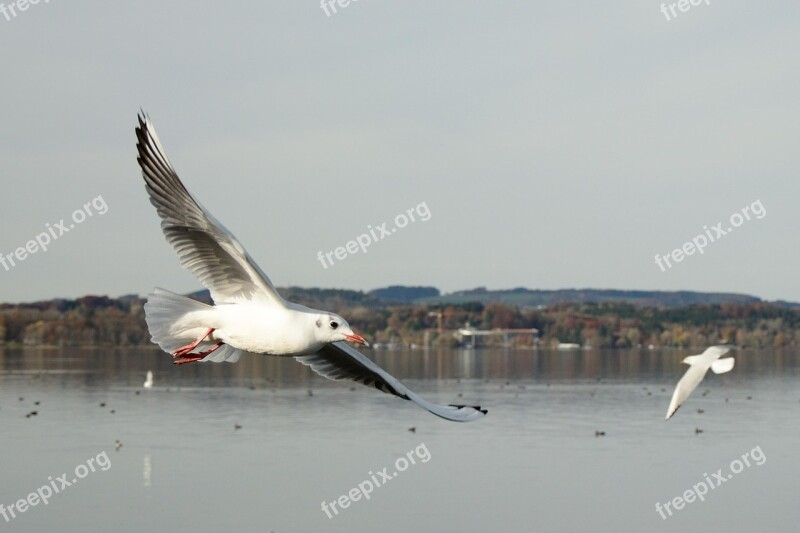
{"x": 184, "y": 350}
{"x": 195, "y": 357}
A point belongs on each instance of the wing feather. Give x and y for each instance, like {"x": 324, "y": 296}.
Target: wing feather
{"x": 204, "y": 246}
{"x": 690, "y": 380}
{"x": 715, "y": 352}
{"x": 720, "y": 366}
{"x": 339, "y": 361}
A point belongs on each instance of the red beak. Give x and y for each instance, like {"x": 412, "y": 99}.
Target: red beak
{"x": 358, "y": 339}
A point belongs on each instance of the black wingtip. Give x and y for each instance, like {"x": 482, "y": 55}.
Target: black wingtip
{"x": 142, "y": 118}
{"x": 141, "y": 127}
{"x": 673, "y": 412}
{"x": 476, "y": 407}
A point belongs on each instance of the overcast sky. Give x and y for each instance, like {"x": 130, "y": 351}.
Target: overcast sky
{"x": 555, "y": 144}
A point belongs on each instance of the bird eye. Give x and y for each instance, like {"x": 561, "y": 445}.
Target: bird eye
{"x": 334, "y": 324}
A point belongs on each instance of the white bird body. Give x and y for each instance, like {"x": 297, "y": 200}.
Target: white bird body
{"x": 257, "y": 327}
{"x": 148, "y": 384}
{"x": 248, "y": 314}
{"x": 698, "y": 366}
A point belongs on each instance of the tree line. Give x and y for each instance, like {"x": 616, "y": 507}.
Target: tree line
{"x": 104, "y": 321}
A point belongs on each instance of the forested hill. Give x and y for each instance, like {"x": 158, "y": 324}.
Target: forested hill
{"x": 521, "y": 297}
{"x": 533, "y": 298}
{"x": 412, "y": 315}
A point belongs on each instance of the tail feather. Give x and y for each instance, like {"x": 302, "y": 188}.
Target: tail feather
{"x": 164, "y": 313}
{"x": 226, "y": 353}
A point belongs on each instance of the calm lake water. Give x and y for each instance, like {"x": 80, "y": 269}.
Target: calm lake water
{"x": 533, "y": 464}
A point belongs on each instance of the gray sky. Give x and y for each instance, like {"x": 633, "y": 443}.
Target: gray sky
{"x": 556, "y": 144}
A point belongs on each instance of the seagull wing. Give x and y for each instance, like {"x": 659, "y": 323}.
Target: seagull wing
{"x": 690, "y": 380}
{"x": 204, "y": 246}
{"x": 721, "y": 366}
{"x": 341, "y": 361}
{"x": 715, "y": 352}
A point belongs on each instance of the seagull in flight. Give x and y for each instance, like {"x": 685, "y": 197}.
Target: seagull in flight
{"x": 698, "y": 366}
{"x": 248, "y": 314}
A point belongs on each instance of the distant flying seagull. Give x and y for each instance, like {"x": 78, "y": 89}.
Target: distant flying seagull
{"x": 148, "y": 384}
{"x": 249, "y": 314}
{"x": 698, "y": 366}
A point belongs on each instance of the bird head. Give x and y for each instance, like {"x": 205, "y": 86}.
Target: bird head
{"x": 333, "y": 328}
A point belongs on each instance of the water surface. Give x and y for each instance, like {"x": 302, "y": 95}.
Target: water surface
{"x": 533, "y": 464}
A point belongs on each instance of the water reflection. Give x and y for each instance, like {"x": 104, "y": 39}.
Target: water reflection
{"x": 94, "y": 367}
{"x": 246, "y": 444}
{"x": 147, "y": 471}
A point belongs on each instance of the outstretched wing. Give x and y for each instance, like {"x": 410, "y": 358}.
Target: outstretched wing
{"x": 204, "y": 246}
{"x": 720, "y": 366}
{"x": 341, "y": 361}
{"x": 715, "y": 352}
{"x": 690, "y": 380}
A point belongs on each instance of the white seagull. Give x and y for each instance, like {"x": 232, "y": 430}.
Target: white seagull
{"x": 698, "y": 366}
{"x": 148, "y": 384}
{"x": 249, "y": 314}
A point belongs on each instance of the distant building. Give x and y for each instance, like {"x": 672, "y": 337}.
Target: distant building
{"x": 470, "y": 334}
